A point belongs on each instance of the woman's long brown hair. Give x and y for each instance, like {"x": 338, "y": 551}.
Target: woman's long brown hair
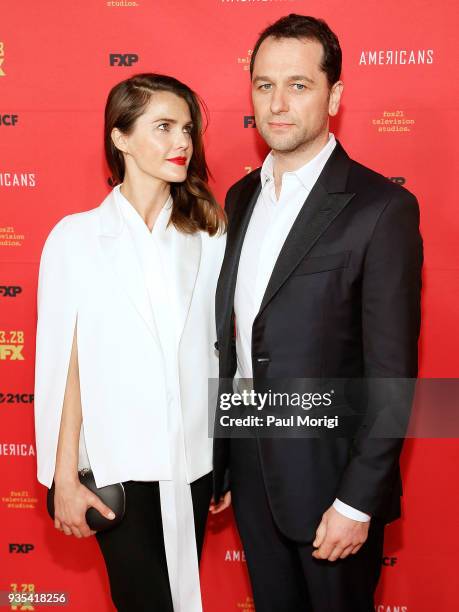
{"x": 194, "y": 207}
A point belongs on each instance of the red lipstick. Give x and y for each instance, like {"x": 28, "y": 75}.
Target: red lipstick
{"x": 180, "y": 161}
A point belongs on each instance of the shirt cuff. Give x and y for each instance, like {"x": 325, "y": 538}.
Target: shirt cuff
{"x": 350, "y": 512}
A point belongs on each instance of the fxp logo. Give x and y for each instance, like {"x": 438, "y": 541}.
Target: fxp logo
{"x": 21, "y": 548}
{"x": 123, "y": 59}
{"x": 9, "y": 291}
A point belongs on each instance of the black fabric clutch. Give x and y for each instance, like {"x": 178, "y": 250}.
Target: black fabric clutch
{"x": 112, "y": 495}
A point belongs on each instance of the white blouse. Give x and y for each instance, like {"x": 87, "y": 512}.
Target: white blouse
{"x": 158, "y": 257}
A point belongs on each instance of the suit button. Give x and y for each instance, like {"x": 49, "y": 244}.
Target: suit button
{"x": 263, "y": 359}
{"x": 216, "y": 347}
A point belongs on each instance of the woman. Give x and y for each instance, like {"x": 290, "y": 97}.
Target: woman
{"x": 125, "y": 347}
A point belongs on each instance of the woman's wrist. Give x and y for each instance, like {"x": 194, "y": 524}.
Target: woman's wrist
{"x": 66, "y": 478}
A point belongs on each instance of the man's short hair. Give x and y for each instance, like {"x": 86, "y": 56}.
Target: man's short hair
{"x": 310, "y": 28}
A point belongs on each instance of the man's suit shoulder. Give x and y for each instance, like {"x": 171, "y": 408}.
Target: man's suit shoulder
{"x": 368, "y": 182}
{"x": 372, "y": 185}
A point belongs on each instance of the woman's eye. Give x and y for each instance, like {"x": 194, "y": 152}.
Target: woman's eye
{"x": 163, "y": 127}
{"x": 188, "y": 129}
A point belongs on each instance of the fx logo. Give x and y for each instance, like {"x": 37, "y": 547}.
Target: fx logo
{"x": 21, "y": 548}
{"x": 8, "y": 119}
{"x": 249, "y": 121}
{"x": 9, "y": 291}
{"x": 389, "y": 561}
{"x": 2, "y": 56}
{"x": 11, "y": 352}
{"x": 123, "y": 59}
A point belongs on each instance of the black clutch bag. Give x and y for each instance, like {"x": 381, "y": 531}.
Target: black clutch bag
{"x": 112, "y": 495}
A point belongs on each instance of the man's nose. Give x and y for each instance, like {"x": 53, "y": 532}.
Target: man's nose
{"x": 279, "y": 103}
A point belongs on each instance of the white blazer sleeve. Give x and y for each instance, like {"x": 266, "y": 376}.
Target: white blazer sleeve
{"x": 57, "y": 305}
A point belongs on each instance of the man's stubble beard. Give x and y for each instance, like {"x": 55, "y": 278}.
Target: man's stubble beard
{"x": 291, "y": 143}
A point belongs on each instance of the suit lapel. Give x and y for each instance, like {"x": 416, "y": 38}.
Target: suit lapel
{"x": 120, "y": 253}
{"x": 237, "y": 229}
{"x": 325, "y": 202}
{"x": 317, "y": 213}
{"x": 162, "y": 294}
{"x": 185, "y": 251}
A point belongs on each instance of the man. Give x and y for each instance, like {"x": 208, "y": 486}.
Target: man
{"x": 321, "y": 279}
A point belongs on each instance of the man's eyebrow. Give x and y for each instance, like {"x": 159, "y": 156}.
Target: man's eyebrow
{"x": 261, "y": 78}
{"x": 294, "y": 77}
{"x": 301, "y": 77}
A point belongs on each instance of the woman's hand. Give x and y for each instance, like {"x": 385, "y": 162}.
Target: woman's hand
{"x": 71, "y": 501}
{"x": 223, "y": 504}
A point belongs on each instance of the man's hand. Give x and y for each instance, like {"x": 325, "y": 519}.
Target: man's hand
{"x": 223, "y": 504}
{"x": 338, "y": 536}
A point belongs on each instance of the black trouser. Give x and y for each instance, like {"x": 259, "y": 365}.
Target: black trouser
{"x": 285, "y": 576}
{"x": 134, "y": 551}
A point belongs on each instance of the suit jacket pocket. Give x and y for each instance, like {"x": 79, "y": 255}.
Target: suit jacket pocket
{"x": 323, "y": 263}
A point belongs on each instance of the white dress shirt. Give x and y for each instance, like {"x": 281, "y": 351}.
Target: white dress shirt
{"x": 269, "y": 225}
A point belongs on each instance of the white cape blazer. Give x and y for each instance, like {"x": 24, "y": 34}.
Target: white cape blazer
{"x": 132, "y": 363}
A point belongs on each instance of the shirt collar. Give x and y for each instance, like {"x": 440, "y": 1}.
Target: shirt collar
{"x": 307, "y": 174}
{"x": 131, "y": 215}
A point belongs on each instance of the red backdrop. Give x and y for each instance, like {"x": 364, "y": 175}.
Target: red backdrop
{"x": 398, "y": 116}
